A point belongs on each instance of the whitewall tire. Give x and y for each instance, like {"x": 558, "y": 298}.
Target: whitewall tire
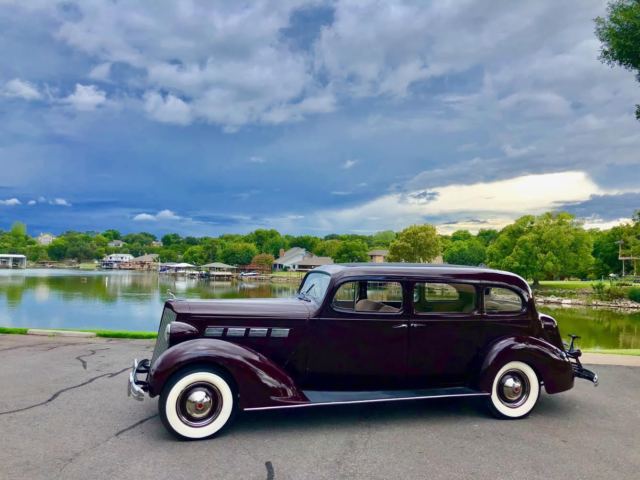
{"x": 515, "y": 391}
{"x": 197, "y": 404}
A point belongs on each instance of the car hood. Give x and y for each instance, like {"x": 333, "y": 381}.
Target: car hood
{"x": 253, "y": 307}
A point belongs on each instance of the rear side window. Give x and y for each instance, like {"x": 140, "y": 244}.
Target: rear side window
{"x": 430, "y": 297}
{"x": 372, "y": 297}
{"x": 502, "y": 300}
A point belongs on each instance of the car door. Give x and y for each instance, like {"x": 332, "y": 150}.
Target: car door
{"x": 446, "y": 333}
{"x": 360, "y": 340}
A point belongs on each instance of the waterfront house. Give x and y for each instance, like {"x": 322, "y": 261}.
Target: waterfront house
{"x": 156, "y": 243}
{"x": 45, "y": 239}
{"x": 177, "y": 268}
{"x": 116, "y": 243}
{"x": 298, "y": 258}
{"x": 145, "y": 262}
{"x": 12, "y": 260}
{"x": 217, "y": 270}
{"x": 116, "y": 260}
{"x": 378, "y": 256}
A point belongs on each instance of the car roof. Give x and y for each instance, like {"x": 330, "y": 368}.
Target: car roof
{"x": 432, "y": 271}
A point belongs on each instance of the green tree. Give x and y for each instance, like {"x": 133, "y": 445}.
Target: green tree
{"x": 308, "y": 242}
{"x": 265, "y": 260}
{"x": 465, "y": 252}
{"x": 328, "y": 248}
{"x": 619, "y": 33}
{"x": 19, "y": 230}
{"x": 383, "y": 238}
{"x": 352, "y": 251}
{"x": 239, "y": 253}
{"x": 551, "y": 246}
{"x": 195, "y": 255}
{"x": 417, "y": 243}
{"x": 267, "y": 241}
{"x": 111, "y": 234}
{"x": 57, "y": 250}
{"x": 487, "y": 236}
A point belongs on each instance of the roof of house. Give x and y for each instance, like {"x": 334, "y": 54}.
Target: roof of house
{"x": 289, "y": 254}
{"x": 312, "y": 260}
{"x": 151, "y": 257}
{"x": 380, "y": 252}
{"x": 218, "y": 265}
{"x": 12, "y": 255}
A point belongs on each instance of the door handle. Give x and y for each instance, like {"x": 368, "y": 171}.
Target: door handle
{"x": 400, "y": 325}
{"x": 417, "y": 325}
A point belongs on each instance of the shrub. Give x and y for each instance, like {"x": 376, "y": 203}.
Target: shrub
{"x": 634, "y": 294}
{"x": 598, "y": 289}
{"x": 615, "y": 292}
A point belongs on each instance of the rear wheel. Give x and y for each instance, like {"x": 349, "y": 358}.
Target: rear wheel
{"x": 515, "y": 391}
{"x": 197, "y": 403}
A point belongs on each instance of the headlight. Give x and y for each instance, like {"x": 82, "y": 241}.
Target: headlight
{"x": 167, "y": 333}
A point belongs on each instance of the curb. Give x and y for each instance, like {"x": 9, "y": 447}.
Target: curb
{"x": 60, "y": 333}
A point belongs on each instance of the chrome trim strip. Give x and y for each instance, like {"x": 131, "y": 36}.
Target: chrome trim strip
{"x": 236, "y": 332}
{"x": 375, "y": 400}
{"x": 214, "y": 331}
{"x": 279, "y": 332}
{"x": 258, "y": 332}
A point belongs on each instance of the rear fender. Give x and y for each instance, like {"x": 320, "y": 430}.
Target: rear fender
{"x": 260, "y": 382}
{"x": 550, "y": 363}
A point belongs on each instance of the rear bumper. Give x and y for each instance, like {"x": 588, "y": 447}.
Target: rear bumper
{"x": 137, "y": 388}
{"x": 580, "y": 372}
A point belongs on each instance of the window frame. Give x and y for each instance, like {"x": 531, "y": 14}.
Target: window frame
{"x": 517, "y": 291}
{"x": 477, "y": 305}
{"x": 376, "y": 279}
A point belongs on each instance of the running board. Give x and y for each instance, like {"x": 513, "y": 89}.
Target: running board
{"x": 319, "y": 398}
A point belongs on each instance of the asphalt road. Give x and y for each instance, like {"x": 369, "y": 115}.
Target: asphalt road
{"x": 64, "y": 413}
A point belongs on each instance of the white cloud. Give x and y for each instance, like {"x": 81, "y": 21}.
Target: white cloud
{"x": 167, "y": 109}
{"x": 59, "y": 202}
{"x": 257, "y": 159}
{"x": 161, "y": 215}
{"x": 21, "y": 89}
{"x": 86, "y": 97}
{"x": 101, "y": 71}
{"x": 31, "y": 202}
{"x": 10, "y": 202}
{"x": 497, "y": 202}
{"x": 349, "y": 164}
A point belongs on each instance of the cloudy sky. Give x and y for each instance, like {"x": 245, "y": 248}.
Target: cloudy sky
{"x": 308, "y": 116}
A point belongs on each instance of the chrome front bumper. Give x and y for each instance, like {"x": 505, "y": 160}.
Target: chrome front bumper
{"x": 137, "y": 388}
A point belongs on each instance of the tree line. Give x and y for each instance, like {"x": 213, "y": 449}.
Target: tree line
{"x": 549, "y": 246}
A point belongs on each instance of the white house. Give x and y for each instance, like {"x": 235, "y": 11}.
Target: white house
{"x": 12, "y": 260}
{"x": 116, "y": 243}
{"x": 298, "y": 258}
{"x": 45, "y": 239}
{"x": 114, "y": 260}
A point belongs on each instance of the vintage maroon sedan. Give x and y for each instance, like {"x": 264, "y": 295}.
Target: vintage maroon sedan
{"x": 354, "y": 334}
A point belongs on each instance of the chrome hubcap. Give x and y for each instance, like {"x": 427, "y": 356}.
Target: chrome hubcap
{"x": 513, "y": 388}
{"x": 199, "y": 404}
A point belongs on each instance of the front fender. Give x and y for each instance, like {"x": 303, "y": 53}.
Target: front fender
{"x": 550, "y": 363}
{"x": 260, "y": 382}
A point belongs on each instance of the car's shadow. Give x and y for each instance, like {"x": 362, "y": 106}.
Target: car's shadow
{"x": 406, "y": 412}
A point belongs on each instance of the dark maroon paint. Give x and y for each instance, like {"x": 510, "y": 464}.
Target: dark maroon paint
{"x": 327, "y": 349}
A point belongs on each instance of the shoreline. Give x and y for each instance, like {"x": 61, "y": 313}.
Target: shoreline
{"x": 142, "y": 335}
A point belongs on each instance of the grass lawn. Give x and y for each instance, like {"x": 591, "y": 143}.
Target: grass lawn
{"x": 567, "y": 284}
{"x": 625, "y": 351}
{"x": 99, "y": 333}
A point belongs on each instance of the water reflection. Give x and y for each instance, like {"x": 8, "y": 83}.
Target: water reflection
{"x": 133, "y": 300}
{"x": 110, "y": 300}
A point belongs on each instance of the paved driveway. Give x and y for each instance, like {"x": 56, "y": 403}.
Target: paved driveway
{"x": 64, "y": 414}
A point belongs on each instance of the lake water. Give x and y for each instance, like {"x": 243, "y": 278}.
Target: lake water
{"x": 125, "y": 300}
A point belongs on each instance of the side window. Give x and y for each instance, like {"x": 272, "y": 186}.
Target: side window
{"x": 377, "y": 297}
{"x": 430, "y": 297}
{"x": 502, "y": 300}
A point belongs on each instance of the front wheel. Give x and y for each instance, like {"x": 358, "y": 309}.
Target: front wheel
{"x": 196, "y": 404}
{"x": 515, "y": 391}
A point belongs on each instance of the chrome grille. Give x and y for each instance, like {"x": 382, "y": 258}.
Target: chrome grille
{"x": 168, "y": 316}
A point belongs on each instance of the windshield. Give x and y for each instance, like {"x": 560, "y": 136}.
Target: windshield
{"x": 315, "y": 286}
